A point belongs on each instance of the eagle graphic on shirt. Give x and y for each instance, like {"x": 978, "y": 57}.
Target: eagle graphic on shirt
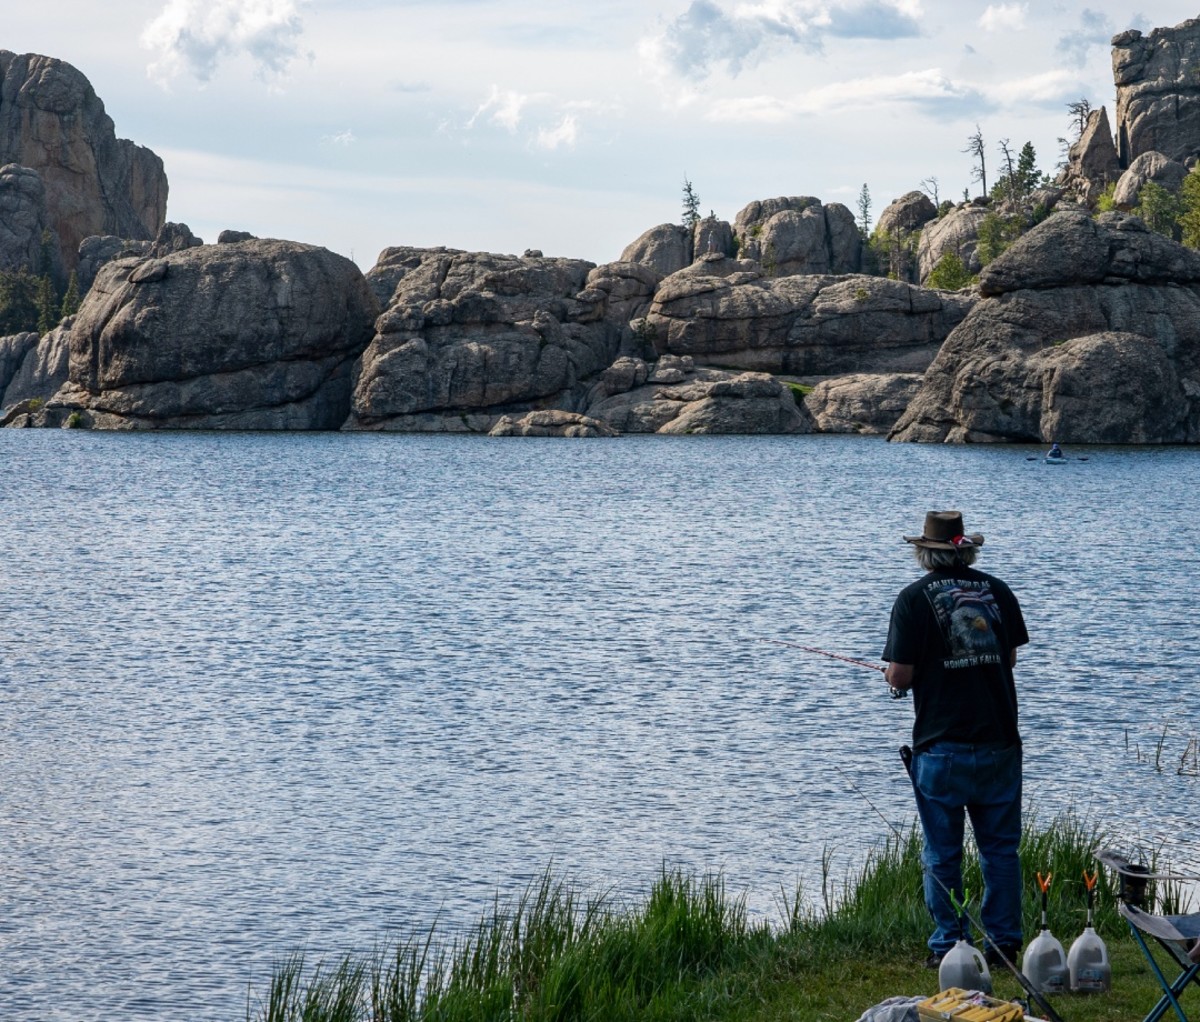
{"x": 969, "y": 618}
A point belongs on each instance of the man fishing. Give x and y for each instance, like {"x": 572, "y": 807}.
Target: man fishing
{"x": 952, "y": 640}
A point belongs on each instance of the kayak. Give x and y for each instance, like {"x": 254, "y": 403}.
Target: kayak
{"x": 1060, "y": 460}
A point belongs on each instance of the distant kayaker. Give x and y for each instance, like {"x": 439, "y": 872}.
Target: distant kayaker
{"x": 1055, "y": 452}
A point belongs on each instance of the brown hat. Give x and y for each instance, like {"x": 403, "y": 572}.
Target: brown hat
{"x": 944, "y": 531}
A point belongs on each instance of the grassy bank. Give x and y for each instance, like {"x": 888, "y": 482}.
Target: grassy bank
{"x": 690, "y": 951}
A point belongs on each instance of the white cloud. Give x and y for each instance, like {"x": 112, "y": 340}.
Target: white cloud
{"x": 502, "y": 107}
{"x": 1003, "y": 17}
{"x": 195, "y": 36}
{"x": 1095, "y": 29}
{"x": 563, "y": 135}
{"x": 342, "y": 138}
{"x": 708, "y": 36}
{"x": 929, "y": 88}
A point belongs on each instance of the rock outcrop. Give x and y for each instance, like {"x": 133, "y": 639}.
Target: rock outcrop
{"x": 477, "y": 334}
{"x": 1158, "y": 93}
{"x": 1089, "y": 331}
{"x": 99, "y": 249}
{"x": 861, "y": 402}
{"x": 674, "y": 396}
{"x": 39, "y": 371}
{"x": 551, "y": 422}
{"x": 799, "y": 235}
{"x": 23, "y": 220}
{"x": 912, "y": 211}
{"x": 260, "y": 335}
{"x": 52, "y": 122}
{"x": 816, "y": 325}
{"x": 1151, "y": 166}
{"x": 1092, "y": 162}
{"x": 957, "y": 232}
{"x": 665, "y": 248}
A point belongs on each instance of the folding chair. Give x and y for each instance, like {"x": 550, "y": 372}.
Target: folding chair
{"x": 1173, "y": 934}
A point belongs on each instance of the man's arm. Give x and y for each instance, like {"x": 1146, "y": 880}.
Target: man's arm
{"x": 900, "y": 676}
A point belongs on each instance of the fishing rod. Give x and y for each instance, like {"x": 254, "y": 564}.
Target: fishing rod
{"x": 1026, "y": 985}
{"x": 896, "y": 693}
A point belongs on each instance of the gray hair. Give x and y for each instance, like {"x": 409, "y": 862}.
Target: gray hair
{"x": 934, "y": 560}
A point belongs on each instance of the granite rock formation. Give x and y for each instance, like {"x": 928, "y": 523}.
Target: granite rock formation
{"x": 958, "y": 232}
{"x": 912, "y": 211}
{"x": 551, "y": 422}
{"x": 861, "y": 402}
{"x": 813, "y": 325}
{"x": 52, "y": 122}
{"x": 665, "y": 248}
{"x": 1092, "y": 162}
{"x": 1158, "y": 93}
{"x": 799, "y": 235}
{"x": 99, "y": 249}
{"x": 674, "y": 396}
{"x": 32, "y": 373}
{"x": 23, "y": 220}
{"x": 470, "y": 337}
{"x": 1151, "y": 166}
{"x": 260, "y": 335}
{"x": 1088, "y": 331}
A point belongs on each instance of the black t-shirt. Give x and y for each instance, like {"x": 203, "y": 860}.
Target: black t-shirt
{"x": 957, "y": 627}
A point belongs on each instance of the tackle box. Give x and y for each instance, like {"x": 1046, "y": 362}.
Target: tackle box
{"x": 956, "y": 1005}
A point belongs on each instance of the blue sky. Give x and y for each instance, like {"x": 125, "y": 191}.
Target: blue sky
{"x": 567, "y": 127}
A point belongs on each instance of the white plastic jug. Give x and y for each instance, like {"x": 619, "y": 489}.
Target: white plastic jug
{"x": 1045, "y": 964}
{"x": 964, "y": 967}
{"x": 1088, "y": 965}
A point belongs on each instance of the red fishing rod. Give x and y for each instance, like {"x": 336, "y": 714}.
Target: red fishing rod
{"x": 896, "y": 693}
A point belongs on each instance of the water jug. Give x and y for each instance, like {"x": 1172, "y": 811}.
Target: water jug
{"x": 1045, "y": 964}
{"x": 963, "y": 967}
{"x": 1087, "y": 963}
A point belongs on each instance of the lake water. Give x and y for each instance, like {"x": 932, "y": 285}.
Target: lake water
{"x": 269, "y": 692}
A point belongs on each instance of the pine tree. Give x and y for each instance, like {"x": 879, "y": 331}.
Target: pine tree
{"x": 976, "y": 149}
{"x": 1189, "y": 218}
{"x": 864, "y": 212}
{"x": 1027, "y": 169}
{"x": 47, "y": 305}
{"x": 691, "y": 205}
{"x": 70, "y": 302}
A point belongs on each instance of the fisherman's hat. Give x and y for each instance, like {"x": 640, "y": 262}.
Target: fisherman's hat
{"x": 944, "y": 531}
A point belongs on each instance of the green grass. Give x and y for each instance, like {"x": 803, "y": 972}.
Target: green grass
{"x": 690, "y": 951}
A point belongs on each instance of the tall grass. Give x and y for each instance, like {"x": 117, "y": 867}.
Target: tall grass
{"x": 688, "y": 950}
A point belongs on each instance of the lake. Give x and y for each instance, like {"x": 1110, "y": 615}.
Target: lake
{"x": 262, "y": 693}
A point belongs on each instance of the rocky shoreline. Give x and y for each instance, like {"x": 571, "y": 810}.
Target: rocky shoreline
{"x": 1084, "y": 330}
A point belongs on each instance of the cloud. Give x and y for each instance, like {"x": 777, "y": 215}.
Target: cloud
{"x": 1095, "y": 29}
{"x": 502, "y": 107}
{"x": 707, "y": 36}
{"x": 342, "y": 138}
{"x": 195, "y": 36}
{"x": 1003, "y": 17}
{"x": 563, "y": 135}
{"x": 931, "y": 90}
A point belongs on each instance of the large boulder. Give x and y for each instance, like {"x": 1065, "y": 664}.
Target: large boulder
{"x": 1092, "y": 162}
{"x": 1158, "y": 94}
{"x": 484, "y": 335}
{"x": 675, "y": 396}
{"x": 799, "y": 235}
{"x": 260, "y": 335}
{"x": 665, "y": 248}
{"x": 861, "y": 402}
{"x": 956, "y": 232}
{"x": 52, "y": 121}
{"x": 23, "y": 221}
{"x": 1089, "y": 331}
{"x": 1151, "y": 166}
{"x": 34, "y": 371}
{"x": 912, "y": 211}
{"x": 99, "y": 249}
{"x": 802, "y": 325}
{"x": 551, "y": 422}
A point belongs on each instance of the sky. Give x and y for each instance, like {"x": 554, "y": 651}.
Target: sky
{"x": 501, "y": 126}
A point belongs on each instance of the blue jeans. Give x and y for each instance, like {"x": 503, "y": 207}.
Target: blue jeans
{"x": 953, "y": 780}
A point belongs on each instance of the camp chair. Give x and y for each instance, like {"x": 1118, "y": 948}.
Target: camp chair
{"x": 1173, "y": 934}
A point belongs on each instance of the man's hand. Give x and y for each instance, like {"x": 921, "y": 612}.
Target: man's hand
{"x": 899, "y": 676}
